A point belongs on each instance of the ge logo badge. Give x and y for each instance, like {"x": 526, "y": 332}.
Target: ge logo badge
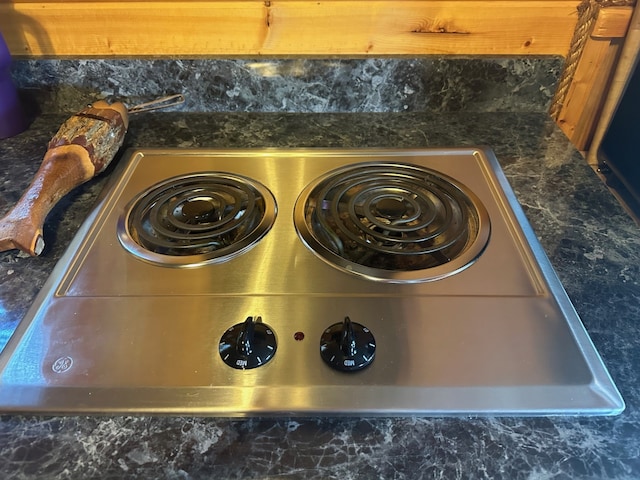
{"x": 62, "y": 364}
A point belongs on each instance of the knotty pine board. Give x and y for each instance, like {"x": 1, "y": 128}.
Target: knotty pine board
{"x": 223, "y": 28}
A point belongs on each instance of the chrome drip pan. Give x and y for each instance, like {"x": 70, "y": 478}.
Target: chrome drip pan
{"x": 305, "y": 282}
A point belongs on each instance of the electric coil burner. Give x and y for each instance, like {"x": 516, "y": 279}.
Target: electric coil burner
{"x": 304, "y": 282}
{"x": 197, "y": 219}
{"x": 392, "y": 222}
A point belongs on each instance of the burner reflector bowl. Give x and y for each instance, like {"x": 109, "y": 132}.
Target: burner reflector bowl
{"x": 392, "y": 222}
{"x": 197, "y": 219}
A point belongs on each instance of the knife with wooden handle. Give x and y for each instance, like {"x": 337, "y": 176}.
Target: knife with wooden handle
{"x": 83, "y": 147}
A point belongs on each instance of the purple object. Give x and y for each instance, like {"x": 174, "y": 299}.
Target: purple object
{"x": 12, "y": 118}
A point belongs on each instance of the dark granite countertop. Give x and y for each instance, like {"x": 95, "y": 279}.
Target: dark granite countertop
{"x": 592, "y": 243}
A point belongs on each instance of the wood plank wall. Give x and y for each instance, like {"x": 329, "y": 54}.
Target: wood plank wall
{"x": 287, "y": 27}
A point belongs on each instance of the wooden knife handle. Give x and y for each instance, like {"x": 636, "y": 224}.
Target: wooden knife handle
{"x": 83, "y": 147}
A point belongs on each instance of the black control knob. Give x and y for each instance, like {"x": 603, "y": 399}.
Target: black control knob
{"x": 347, "y": 346}
{"x": 248, "y": 345}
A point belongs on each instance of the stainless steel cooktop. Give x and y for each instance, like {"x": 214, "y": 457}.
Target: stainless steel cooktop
{"x": 305, "y": 281}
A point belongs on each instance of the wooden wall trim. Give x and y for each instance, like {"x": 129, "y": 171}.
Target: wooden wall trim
{"x": 612, "y": 22}
{"x": 85, "y": 29}
{"x": 579, "y": 111}
{"x": 629, "y": 57}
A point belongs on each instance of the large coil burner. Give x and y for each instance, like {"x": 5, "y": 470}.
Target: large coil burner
{"x": 392, "y": 222}
{"x": 197, "y": 219}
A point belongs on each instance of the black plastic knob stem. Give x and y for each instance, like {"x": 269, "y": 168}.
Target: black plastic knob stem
{"x": 248, "y": 345}
{"x": 347, "y": 346}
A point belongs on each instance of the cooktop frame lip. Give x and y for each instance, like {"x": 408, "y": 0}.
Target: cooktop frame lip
{"x": 602, "y": 378}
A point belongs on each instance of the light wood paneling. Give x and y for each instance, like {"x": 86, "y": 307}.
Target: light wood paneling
{"x": 588, "y": 90}
{"x": 287, "y": 27}
{"x": 612, "y": 22}
{"x": 582, "y": 106}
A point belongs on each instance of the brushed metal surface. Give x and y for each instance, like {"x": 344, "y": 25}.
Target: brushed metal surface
{"x": 112, "y": 333}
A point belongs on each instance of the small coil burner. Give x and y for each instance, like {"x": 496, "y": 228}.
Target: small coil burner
{"x": 197, "y": 219}
{"x": 392, "y": 222}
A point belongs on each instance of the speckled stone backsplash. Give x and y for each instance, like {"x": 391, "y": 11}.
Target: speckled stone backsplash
{"x": 430, "y": 84}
